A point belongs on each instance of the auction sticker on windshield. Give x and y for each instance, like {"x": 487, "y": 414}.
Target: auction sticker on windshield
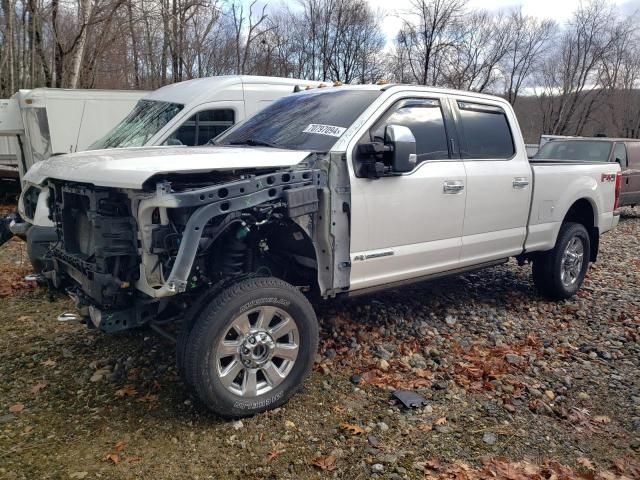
{"x": 330, "y": 130}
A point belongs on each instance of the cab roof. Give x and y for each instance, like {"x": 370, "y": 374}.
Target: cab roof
{"x": 203, "y": 89}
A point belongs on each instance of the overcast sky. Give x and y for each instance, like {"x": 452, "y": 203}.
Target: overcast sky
{"x": 560, "y": 10}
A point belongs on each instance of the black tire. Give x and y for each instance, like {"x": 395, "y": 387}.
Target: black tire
{"x": 547, "y": 267}
{"x": 212, "y": 326}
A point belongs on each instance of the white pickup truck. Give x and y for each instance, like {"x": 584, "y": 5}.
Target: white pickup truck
{"x": 334, "y": 191}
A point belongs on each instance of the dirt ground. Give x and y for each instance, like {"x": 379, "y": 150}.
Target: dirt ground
{"x": 516, "y": 387}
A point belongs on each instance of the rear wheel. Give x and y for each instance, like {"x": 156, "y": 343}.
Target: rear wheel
{"x": 559, "y": 273}
{"x": 251, "y": 347}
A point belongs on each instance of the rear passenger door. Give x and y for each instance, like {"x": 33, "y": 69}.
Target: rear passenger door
{"x": 498, "y": 181}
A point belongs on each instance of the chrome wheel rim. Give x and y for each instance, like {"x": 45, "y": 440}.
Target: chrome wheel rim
{"x": 257, "y": 351}
{"x": 572, "y": 262}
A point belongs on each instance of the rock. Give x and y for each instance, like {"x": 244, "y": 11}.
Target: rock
{"x": 510, "y": 408}
{"x": 373, "y": 441}
{"x": 98, "y": 375}
{"x": 513, "y": 359}
{"x": 389, "y": 459}
{"x": 383, "y": 365}
{"x": 9, "y": 417}
{"x": 549, "y": 394}
{"x": 377, "y": 468}
{"x": 355, "y": 379}
{"x": 489, "y": 438}
{"x": 534, "y": 392}
{"x": 417, "y": 361}
{"x": 238, "y": 425}
{"x": 441, "y": 385}
{"x": 330, "y": 353}
{"x": 450, "y": 320}
{"x": 382, "y": 353}
{"x": 635, "y": 425}
{"x": 79, "y": 475}
{"x": 383, "y": 426}
{"x": 603, "y": 354}
{"x": 442, "y": 429}
{"x": 289, "y": 425}
{"x": 583, "y": 396}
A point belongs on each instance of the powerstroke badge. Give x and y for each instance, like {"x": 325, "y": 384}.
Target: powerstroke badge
{"x": 329, "y": 130}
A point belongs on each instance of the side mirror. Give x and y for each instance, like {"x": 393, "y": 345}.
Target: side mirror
{"x": 403, "y": 148}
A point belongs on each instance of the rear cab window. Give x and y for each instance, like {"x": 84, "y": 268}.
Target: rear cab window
{"x": 575, "y": 150}
{"x": 202, "y": 127}
{"x": 485, "y": 132}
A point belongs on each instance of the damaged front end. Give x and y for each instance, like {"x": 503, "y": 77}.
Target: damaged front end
{"x": 124, "y": 255}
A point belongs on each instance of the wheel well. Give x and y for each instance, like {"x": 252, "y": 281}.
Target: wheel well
{"x": 582, "y": 212}
{"x": 278, "y": 248}
{"x": 288, "y": 242}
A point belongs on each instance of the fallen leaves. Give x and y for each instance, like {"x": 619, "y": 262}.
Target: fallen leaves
{"x": 147, "y": 398}
{"x": 37, "y": 387}
{"x": 114, "y": 457}
{"x": 441, "y": 421}
{"x": 327, "y": 463}
{"x": 501, "y": 469}
{"x": 354, "y": 429}
{"x": 602, "y": 419}
{"x": 586, "y": 463}
{"x": 12, "y": 281}
{"x": 126, "y": 391}
{"x": 273, "y": 454}
{"x": 16, "y": 408}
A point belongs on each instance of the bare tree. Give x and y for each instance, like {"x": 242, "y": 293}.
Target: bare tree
{"x": 426, "y": 36}
{"x": 529, "y": 43}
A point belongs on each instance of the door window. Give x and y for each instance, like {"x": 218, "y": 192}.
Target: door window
{"x": 620, "y": 155}
{"x": 486, "y": 132}
{"x": 202, "y": 127}
{"x": 424, "y": 119}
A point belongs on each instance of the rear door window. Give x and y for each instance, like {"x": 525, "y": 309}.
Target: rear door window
{"x": 485, "y": 131}
{"x": 202, "y": 127}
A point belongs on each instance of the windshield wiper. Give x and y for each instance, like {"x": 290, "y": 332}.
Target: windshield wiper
{"x": 254, "y": 143}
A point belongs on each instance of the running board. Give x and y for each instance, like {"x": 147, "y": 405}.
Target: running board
{"x": 425, "y": 278}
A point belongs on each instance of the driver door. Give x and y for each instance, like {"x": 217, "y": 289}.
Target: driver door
{"x": 409, "y": 225}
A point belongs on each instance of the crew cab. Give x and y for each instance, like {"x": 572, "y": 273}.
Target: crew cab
{"x": 333, "y": 191}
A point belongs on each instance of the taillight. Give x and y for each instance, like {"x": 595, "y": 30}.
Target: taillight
{"x": 616, "y": 204}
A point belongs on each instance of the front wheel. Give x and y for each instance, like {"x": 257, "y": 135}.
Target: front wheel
{"x": 559, "y": 273}
{"x": 251, "y": 347}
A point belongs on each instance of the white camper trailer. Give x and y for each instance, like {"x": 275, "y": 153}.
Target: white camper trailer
{"x": 36, "y": 124}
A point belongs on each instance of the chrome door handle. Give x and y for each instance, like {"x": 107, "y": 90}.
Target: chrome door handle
{"x": 520, "y": 182}
{"x": 452, "y": 187}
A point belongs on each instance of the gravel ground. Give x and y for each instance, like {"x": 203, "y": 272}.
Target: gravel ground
{"x": 516, "y": 387}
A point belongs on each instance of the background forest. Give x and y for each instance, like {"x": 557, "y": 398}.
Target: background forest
{"x": 577, "y": 77}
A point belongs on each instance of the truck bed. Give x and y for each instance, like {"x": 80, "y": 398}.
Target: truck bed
{"x": 556, "y": 187}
